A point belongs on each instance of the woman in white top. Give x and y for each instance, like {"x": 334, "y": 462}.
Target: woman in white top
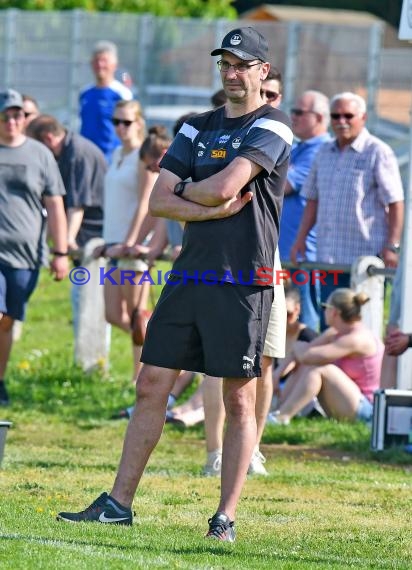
{"x": 126, "y": 220}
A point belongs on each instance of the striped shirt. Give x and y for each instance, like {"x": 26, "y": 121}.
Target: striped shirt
{"x": 353, "y": 188}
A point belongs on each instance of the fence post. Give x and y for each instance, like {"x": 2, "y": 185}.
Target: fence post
{"x": 291, "y": 63}
{"x": 75, "y": 42}
{"x": 91, "y": 329}
{"x": 9, "y": 46}
{"x": 373, "y": 286}
{"x": 374, "y": 54}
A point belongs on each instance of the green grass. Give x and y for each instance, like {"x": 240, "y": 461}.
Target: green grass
{"x": 329, "y": 502}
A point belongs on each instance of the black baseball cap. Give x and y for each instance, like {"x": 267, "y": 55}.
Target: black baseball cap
{"x": 10, "y": 98}
{"x": 245, "y": 43}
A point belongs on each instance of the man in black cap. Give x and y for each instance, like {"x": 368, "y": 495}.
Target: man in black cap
{"x": 213, "y": 313}
{"x": 29, "y": 183}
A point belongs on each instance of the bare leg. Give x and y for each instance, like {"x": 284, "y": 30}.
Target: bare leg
{"x": 264, "y": 394}
{"x": 144, "y": 429}
{"x": 115, "y": 305}
{"x": 337, "y": 392}
{"x": 214, "y": 413}
{"x": 239, "y": 395}
{"x": 182, "y": 382}
{"x": 6, "y": 341}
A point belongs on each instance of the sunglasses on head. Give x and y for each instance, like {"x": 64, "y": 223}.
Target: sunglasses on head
{"x": 337, "y": 116}
{"x": 125, "y": 122}
{"x": 270, "y": 95}
{"x": 327, "y": 306}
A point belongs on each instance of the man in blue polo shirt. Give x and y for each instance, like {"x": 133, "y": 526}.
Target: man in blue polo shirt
{"x": 310, "y": 121}
{"x": 97, "y": 102}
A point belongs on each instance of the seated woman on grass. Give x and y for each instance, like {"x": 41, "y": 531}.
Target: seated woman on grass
{"x": 341, "y": 367}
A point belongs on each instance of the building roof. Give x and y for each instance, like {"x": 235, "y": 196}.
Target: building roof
{"x": 315, "y": 15}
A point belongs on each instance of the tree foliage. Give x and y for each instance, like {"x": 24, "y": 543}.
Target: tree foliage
{"x": 175, "y": 8}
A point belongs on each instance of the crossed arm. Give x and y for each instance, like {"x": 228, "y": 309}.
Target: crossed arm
{"x": 213, "y": 198}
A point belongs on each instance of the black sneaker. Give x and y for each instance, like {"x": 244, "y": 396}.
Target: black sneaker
{"x": 105, "y": 509}
{"x": 221, "y": 528}
{"x": 4, "y": 397}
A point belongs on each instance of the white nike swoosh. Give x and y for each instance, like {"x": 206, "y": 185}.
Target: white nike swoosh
{"x": 104, "y": 519}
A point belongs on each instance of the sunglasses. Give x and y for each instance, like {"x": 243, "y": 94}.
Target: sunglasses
{"x": 300, "y": 112}
{"x": 337, "y": 116}
{"x": 125, "y": 122}
{"x": 12, "y": 117}
{"x": 327, "y": 306}
{"x": 270, "y": 95}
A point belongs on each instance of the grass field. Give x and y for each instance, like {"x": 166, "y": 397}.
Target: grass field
{"x": 329, "y": 502}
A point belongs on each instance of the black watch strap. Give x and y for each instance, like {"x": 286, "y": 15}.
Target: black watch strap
{"x": 410, "y": 341}
{"x": 179, "y": 188}
{"x": 60, "y": 253}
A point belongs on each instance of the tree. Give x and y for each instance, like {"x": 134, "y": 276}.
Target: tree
{"x": 173, "y": 8}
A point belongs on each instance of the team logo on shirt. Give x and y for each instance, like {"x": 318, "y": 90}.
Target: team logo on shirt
{"x": 223, "y": 139}
{"x": 235, "y": 40}
{"x": 236, "y": 142}
{"x": 218, "y": 153}
{"x": 201, "y": 145}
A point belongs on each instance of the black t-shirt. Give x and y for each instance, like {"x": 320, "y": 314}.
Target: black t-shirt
{"x": 233, "y": 249}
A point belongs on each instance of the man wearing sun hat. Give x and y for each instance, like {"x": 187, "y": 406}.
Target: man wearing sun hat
{"x": 30, "y": 183}
{"x": 236, "y": 157}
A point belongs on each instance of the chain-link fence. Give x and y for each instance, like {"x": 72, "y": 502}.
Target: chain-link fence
{"x": 47, "y": 55}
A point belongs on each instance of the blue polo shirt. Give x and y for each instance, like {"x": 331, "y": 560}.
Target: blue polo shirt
{"x": 96, "y": 110}
{"x": 301, "y": 159}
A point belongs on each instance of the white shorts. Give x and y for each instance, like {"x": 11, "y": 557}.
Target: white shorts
{"x": 275, "y": 340}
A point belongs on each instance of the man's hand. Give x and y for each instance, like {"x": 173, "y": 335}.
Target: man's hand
{"x": 232, "y": 206}
{"x": 116, "y": 251}
{"x": 59, "y": 267}
{"x": 390, "y": 258}
{"x": 298, "y": 250}
{"x": 396, "y": 342}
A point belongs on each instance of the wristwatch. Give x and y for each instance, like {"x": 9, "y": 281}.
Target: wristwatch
{"x": 410, "y": 341}
{"x": 393, "y": 247}
{"x": 180, "y": 188}
{"x": 60, "y": 253}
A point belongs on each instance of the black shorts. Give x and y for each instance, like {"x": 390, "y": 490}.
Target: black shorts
{"x": 216, "y": 329}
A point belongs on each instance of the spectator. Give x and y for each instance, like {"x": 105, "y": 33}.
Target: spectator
{"x": 310, "y": 121}
{"x": 30, "y": 181}
{"x": 218, "y": 99}
{"x": 341, "y": 367}
{"x": 271, "y": 90}
{"x": 82, "y": 166}
{"x": 97, "y": 102}
{"x": 226, "y": 230}
{"x": 30, "y": 108}
{"x": 354, "y": 195}
{"x": 127, "y": 188}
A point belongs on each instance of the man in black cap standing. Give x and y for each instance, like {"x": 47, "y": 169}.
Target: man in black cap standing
{"x": 213, "y": 313}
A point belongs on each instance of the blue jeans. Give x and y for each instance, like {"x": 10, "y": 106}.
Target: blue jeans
{"x": 309, "y": 298}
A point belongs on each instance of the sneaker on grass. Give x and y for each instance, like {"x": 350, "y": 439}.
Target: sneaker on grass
{"x": 213, "y": 465}
{"x": 256, "y": 466}
{"x": 221, "y": 528}
{"x": 104, "y": 509}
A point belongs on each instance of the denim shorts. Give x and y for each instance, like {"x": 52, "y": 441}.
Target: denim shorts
{"x": 365, "y": 410}
{"x": 16, "y": 286}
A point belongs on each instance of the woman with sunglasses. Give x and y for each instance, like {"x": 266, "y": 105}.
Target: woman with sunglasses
{"x": 126, "y": 220}
{"x": 341, "y": 367}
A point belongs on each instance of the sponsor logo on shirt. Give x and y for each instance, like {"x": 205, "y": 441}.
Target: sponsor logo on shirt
{"x": 223, "y": 139}
{"x": 218, "y": 153}
{"x": 236, "y": 142}
{"x": 201, "y": 145}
